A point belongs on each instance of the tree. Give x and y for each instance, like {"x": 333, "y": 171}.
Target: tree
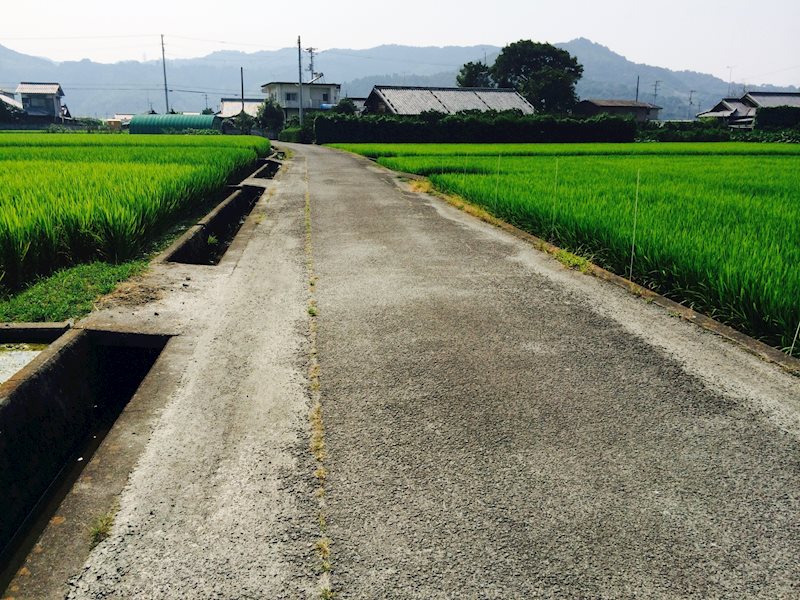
{"x": 345, "y": 107}
{"x": 475, "y": 74}
{"x": 244, "y": 122}
{"x": 270, "y": 116}
{"x": 207, "y": 111}
{"x": 543, "y": 74}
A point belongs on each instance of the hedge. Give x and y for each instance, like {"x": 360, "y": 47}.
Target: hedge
{"x": 778, "y": 117}
{"x": 471, "y": 128}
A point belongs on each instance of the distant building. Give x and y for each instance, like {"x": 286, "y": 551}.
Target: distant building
{"x": 740, "y": 113}
{"x": 359, "y": 103}
{"x": 316, "y": 96}
{"x": 641, "y": 111}
{"x": 230, "y": 107}
{"x": 402, "y": 100}
{"x": 42, "y": 100}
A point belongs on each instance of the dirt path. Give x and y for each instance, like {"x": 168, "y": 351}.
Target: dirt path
{"x": 499, "y": 427}
{"x": 496, "y": 426}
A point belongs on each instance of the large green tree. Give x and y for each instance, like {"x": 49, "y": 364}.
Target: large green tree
{"x": 545, "y": 75}
{"x": 475, "y": 74}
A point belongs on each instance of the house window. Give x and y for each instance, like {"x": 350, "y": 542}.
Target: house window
{"x": 291, "y": 96}
{"x": 325, "y": 97}
{"x": 38, "y": 102}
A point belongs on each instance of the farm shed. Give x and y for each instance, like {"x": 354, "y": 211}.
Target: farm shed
{"x": 173, "y": 123}
{"x": 400, "y": 100}
{"x": 740, "y": 113}
{"x": 641, "y": 111}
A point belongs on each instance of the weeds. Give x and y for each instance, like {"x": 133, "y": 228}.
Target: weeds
{"x": 101, "y": 528}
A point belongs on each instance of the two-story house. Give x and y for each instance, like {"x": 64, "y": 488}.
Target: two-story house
{"x": 316, "y": 96}
{"x": 42, "y": 99}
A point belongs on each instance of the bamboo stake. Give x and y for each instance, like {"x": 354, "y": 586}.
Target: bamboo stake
{"x": 635, "y": 215}
{"x": 796, "y": 334}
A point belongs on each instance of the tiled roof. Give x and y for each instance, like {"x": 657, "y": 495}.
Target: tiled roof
{"x": 30, "y": 87}
{"x": 415, "y": 100}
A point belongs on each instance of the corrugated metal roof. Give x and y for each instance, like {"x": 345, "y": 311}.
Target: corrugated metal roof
{"x": 230, "y": 107}
{"x": 505, "y": 100}
{"x": 409, "y": 101}
{"x": 168, "y": 123}
{"x": 772, "y": 99}
{"x": 415, "y": 100}
{"x": 31, "y": 87}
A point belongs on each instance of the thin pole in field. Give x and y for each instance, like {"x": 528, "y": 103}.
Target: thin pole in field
{"x": 635, "y": 215}
{"x": 555, "y": 202}
{"x": 497, "y": 183}
{"x": 796, "y": 334}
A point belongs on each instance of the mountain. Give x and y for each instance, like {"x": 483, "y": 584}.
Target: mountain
{"x": 97, "y": 89}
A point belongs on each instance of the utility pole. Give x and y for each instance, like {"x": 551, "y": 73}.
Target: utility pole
{"x": 164, "y": 67}
{"x": 241, "y": 76}
{"x": 691, "y": 103}
{"x": 300, "y": 78}
{"x": 637, "y": 88}
{"x": 655, "y": 90}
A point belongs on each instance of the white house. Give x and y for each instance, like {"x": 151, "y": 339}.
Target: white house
{"x": 316, "y": 96}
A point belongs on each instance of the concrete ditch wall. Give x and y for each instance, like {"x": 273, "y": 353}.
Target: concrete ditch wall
{"x": 49, "y": 408}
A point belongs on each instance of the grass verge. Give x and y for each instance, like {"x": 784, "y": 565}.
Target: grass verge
{"x": 69, "y": 293}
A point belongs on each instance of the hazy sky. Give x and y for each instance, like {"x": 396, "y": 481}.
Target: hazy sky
{"x": 758, "y": 40}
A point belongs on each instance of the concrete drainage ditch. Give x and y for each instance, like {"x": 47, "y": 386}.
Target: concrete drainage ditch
{"x": 206, "y": 242}
{"x": 56, "y": 410}
{"x": 53, "y": 415}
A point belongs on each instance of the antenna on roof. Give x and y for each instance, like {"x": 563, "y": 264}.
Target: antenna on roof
{"x": 311, "y": 52}
{"x": 730, "y": 80}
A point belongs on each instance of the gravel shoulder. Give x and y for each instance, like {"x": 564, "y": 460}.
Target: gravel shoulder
{"x": 500, "y": 427}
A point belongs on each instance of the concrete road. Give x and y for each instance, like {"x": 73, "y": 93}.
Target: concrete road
{"x": 497, "y": 426}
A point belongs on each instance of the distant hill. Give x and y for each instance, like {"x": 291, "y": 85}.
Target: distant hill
{"x": 96, "y": 89}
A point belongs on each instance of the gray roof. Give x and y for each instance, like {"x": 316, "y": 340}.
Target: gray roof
{"x": 230, "y": 107}
{"x": 10, "y": 100}
{"x": 605, "y": 103}
{"x": 772, "y": 99}
{"x": 415, "y": 100}
{"x": 49, "y": 89}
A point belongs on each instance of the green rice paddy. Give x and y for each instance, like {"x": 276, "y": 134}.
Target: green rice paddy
{"x": 75, "y": 198}
{"x": 717, "y": 225}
